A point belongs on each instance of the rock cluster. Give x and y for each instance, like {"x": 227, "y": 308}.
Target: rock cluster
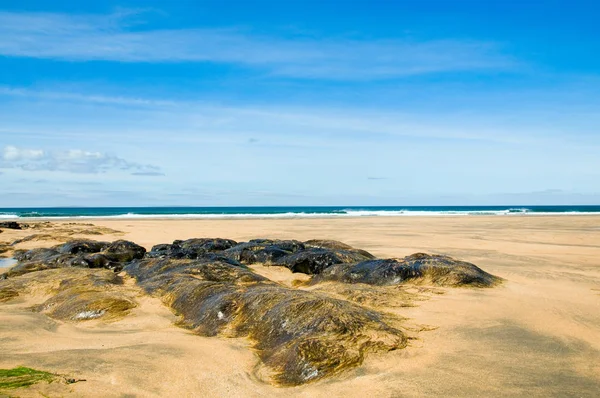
{"x": 11, "y": 225}
{"x": 300, "y": 334}
{"x": 433, "y": 269}
{"x": 191, "y": 248}
{"x": 81, "y": 253}
{"x": 310, "y": 257}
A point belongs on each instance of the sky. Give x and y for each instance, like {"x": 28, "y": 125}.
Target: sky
{"x": 264, "y": 103}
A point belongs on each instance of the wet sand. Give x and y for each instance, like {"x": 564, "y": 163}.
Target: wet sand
{"x": 537, "y": 335}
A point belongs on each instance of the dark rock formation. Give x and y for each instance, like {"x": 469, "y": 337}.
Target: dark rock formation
{"x": 314, "y": 260}
{"x": 299, "y": 335}
{"x": 336, "y": 245}
{"x": 310, "y": 257}
{"x": 40, "y": 254}
{"x": 100, "y": 260}
{"x": 265, "y": 251}
{"x": 206, "y": 244}
{"x": 81, "y": 246}
{"x": 436, "y": 269}
{"x": 10, "y": 225}
{"x": 80, "y": 253}
{"x": 212, "y": 268}
{"x": 123, "y": 251}
{"x": 191, "y": 248}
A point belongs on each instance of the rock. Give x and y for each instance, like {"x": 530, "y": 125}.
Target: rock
{"x": 80, "y": 253}
{"x": 311, "y": 261}
{"x": 299, "y": 335}
{"x": 77, "y": 305}
{"x": 206, "y": 244}
{"x": 10, "y": 225}
{"x": 435, "y": 269}
{"x": 314, "y": 260}
{"x": 43, "y": 259}
{"x": 165, "y": 250}
{"x": 336, "y": 245}
{"x": 99, "y": 260}
{"x": 40, "y": 254}
{"x": 81, "y": 246}
{"x": 327, "y": 244}
{"x": 123, "y": 251}
{"x": 81, "y": 294}
{"x": 35, "y": 260}
{"x": 310, "y": 257}
{"x": 264, "y": 251}
{"x": 213, "y": 269}
{"x": 191, "y": 248}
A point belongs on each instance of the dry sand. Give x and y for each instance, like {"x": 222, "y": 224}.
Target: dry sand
{"x": 536, "y": 335}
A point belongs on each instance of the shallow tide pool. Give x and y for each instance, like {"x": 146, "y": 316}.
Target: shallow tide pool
{"x": 7, "y": 262}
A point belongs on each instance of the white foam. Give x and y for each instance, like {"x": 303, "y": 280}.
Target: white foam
{"x": 341, "y": 213}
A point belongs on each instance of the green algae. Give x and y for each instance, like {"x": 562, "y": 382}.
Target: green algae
{"x": 20, "y": 377}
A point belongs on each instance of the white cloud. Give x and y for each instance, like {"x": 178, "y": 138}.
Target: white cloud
{"x": 310, "y": 150}
{"x": 13, "y": 154}
{"x": 109, "y": 37}
{"x": 71, "y": 161}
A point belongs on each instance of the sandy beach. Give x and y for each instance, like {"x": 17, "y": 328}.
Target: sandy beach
{"x": 537, "y": 334}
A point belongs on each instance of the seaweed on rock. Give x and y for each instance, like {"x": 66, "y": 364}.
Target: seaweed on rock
{"x": 300, "y": 336}
{"x": 76, "y": 294}
{"x": 314, "y": 260}
{"x": 310, "y": 257}
{"x": 435, "y": 269}
{"x": 265, "y": 251}
{"x": 82, "y": 253}
{"x": 191, "y": 248}
{"x": 79, "y": 246}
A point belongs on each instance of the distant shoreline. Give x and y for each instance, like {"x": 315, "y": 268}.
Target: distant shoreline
{"x": 298, "y": 218}
{"x": 287, "y": 212}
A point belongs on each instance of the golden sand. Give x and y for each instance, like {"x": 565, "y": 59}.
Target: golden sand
{"x": 537, "y": 335}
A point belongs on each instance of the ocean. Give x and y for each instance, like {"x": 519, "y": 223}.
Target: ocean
{"x": 288, "y": 211}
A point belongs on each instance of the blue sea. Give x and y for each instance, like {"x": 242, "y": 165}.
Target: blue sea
{"x": 288, "y": 211}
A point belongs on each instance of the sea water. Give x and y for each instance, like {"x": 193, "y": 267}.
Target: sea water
{"x": 287, "y": 211}
{"x": 7, "y": 262}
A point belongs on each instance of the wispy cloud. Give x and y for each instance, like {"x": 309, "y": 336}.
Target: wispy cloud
{"x": 77, "y": 97}
{"x": 71, "y": 161}
{"x": 148, "y": 173}
{"x": 315, "y": 124}
{"x": 111, "y": 38}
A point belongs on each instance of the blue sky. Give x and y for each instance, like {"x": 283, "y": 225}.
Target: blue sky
{"x": 299, "y": 103}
